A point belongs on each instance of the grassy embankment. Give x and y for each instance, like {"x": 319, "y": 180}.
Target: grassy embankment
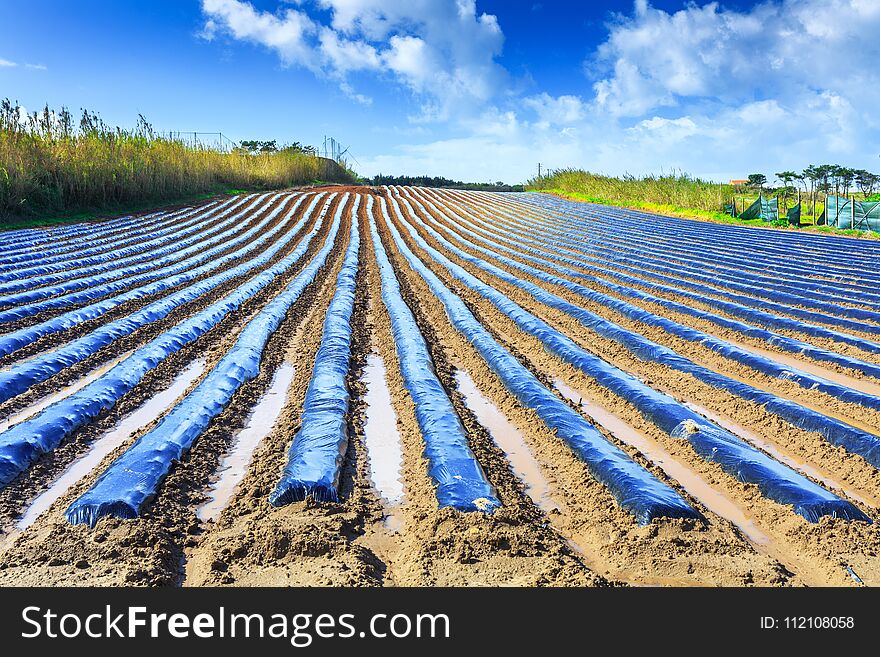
{"x": 54, "y": 172}
{"x": 677, "y": 195}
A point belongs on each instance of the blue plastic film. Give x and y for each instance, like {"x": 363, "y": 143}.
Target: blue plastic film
{"x": 26, "y": 441}
{"x": 634, "y": 488}
{"x": 835, "y": 431}
{"x": 459, "y": 480}
{"x": 318, "y": 448}
{"x": 736, "y": 457}
{"x": 134, "y": 478}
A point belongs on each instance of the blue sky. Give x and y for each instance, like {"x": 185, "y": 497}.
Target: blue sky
{"x": 474, "y": 90}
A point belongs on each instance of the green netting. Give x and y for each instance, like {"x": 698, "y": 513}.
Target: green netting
{"x": 846, "y": 213}
{"x": 794, "y": 215}
{"x": 764, "y": 208}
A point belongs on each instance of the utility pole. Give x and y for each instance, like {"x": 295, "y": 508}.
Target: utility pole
{"x": 539, "y": 170}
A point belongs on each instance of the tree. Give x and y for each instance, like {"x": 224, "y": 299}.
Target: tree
{"x": 833, "y": 179}
{"x": 825, "y": 172}
{"x": 802, "y": 182}
{"x": 786, "y": 178}
{"x": 866, "y": 181}
{"x": 757, "y": 180}
{"x": 813, "y": 175}
{"x": 846, "y": 177}
{"x": 255, "y": 146}
{"x": 297, "y": 147}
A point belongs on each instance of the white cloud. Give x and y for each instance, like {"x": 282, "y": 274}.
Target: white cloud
{"x": 6, "y": 63}
{"x": 444, "y": 52}
{"x": 349, "y": 91}
{"x": 788, "y": 50}
{"x": 665, "y": 129}
{"x": 411, "y": 59}
{"x": 494, "y": 123}
{"x": 284, "y": 33}
{"x": 344, "y": 55}
{"x": 560, "y": 110}
{"x": 709, "y": 90}
{"x": 761, "y": 112}
{"x": 724, "y": 92}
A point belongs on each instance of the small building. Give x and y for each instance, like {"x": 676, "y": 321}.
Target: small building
{"x": 738, "y": 183}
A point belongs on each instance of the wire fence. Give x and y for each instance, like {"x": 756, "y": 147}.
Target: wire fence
{"x": 331, "y": 148}
{"x": 214, "y": 140}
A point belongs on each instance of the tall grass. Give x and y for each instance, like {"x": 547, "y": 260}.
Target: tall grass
{"x": 677, "y": 189}
{"x": 49, "y": 165}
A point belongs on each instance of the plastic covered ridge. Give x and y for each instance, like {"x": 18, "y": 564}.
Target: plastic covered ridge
{"x": 634, "y": 488}
{"x": 781, "y": 255}
{"x": 459, "y": 480}
{"x": 26, "y": 441}
{"x": 318, "y": 448}
{"x": 119, "y": 252}
{"x": 757, "y": 362}
{"x": 758, "y": 316}
{"x": 775, "y": 247}
{"x": 33, "y": 275}
{"x": 635, "y": 262}
{"x": 87, "y": 278}
{"x": 77, "y": 236}
{"x": 782, "y": 342}
{"x": 661, "y": 251}
{"x": 185, "y": 269}
{"x": 836, "y": 432}
{"x": 132, "y": 479}
{"x": 23, "y": 375}
{"x": 782, "y": 259}
{"x": 735, "y": 456}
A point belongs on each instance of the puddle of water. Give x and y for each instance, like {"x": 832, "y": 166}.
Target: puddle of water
{"x": 384, "y": 451}
{"x": 65, "y": 392}
{"x": 779, "y": 455}
{"x": 234, "y": 463}
{"x": 509, "y": 439}
{"x": 690, "y": 480}
{"x": 862, "y": 385}
{"x": 109, "y": 441}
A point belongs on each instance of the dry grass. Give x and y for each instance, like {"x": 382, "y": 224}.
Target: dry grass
{"x": 49, "y": 166}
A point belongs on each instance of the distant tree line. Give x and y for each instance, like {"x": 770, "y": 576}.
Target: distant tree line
{"x": 821, "y": 179}
{"x": 257, "y": 147}
{"x": 440, "y": 181}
